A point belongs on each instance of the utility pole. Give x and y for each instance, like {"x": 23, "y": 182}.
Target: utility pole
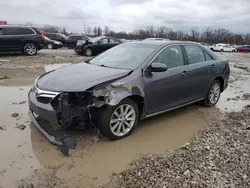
{"x": 85, "y": 27}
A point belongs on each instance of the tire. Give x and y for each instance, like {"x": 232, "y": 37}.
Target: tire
{"x": 234, "y": 51}
{"x": 30, "y": 49}
{"x": 106, "y": 114}
{"x": 221, "y": 50}
{"x": 216, "y": 85}
{"x": 88, "y": 52}
{"x": 50, "y": 46}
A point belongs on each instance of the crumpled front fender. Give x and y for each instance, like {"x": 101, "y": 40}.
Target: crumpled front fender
{"x": 121, "y": 91}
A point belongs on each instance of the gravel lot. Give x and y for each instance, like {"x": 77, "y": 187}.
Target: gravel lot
{"x": 190, "y": 147}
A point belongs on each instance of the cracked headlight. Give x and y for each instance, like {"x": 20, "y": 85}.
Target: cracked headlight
{"x": 101, "y": 92}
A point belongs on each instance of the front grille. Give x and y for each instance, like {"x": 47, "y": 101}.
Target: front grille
{"x": 43, "y": 96}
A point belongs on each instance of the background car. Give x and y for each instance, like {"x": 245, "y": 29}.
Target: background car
{"x": 243, "y": 48}
{"x": 95, "y": 45}
{"x": 52, "y": 44}
{"x": 57, "y": 37}
{"x": 223, "y": 48}
{"x": 27, "y": 40}
{"x": 72, "y": 40}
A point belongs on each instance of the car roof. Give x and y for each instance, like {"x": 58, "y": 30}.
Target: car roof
{"x": 163, "y": 42}
{"x": 14, "y": 26}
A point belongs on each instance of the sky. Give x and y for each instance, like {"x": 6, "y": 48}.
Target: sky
{"x": 128, "y": 15}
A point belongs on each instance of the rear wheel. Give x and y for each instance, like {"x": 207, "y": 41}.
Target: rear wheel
{"x": 221, "y": 50}
{"x": 116, "y": 122}
{"x": 30, "y": 49}
{"x": 213, "y": 95}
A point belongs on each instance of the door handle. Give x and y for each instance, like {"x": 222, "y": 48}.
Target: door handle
{"x": 184, "y": 73}
{"x": 213, "y": 66}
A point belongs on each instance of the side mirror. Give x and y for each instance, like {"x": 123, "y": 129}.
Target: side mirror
{"x": 158, "y": 67}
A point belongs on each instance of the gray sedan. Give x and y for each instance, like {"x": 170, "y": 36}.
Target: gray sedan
{"x": 129, "y": 82}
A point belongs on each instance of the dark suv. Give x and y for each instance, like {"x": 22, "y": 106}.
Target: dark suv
{"x": 27, "y": 40}
{"x": 56, "y": 36}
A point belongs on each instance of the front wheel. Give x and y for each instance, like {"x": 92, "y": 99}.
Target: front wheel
{"x": 116, "y": 122}
{"x": 30, "y": 49}
{"x": 213, "y": 95}
{"x": 88, "y": 52}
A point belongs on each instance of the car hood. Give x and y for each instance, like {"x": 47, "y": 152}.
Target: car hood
{"x": 78, "y": 77}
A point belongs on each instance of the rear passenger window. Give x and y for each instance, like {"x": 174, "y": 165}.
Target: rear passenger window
{"x": 1, "y": 31}
{"x": 208, "y": 56}
{"x": 171, "y": 56}
{"x": 18, "y": 31}
{"x": 194, "y": 54}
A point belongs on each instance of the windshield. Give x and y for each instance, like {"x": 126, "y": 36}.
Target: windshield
{"x": 124, "y": 56}
{"x": 95, "y": 39}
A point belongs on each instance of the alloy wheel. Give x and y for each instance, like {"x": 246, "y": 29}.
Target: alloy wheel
{"x": 88, "y": 52}
{"x": 122, "y": 120}
{"x": 214, "y": 93}
{"x": 30, "y": 49}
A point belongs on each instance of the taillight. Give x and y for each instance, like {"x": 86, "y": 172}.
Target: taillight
{"x": 42, "y": 35}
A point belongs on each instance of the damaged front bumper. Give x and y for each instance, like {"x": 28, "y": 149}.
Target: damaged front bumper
{"x": 51, "y": 138}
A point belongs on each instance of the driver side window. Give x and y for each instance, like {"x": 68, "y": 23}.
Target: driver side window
{"x": 171, "y": 56}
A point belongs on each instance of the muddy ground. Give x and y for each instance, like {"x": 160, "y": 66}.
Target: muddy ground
{"x": 190, "y": 147}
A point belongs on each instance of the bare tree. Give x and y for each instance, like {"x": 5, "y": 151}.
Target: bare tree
{"x": 88, "y": 30}
{"x": 161, "y": 32}
{"x": 95, "y": 31}
{"x": 106, "y": 30}
{"x": 194, "y": 34}
{"x": 99, "y": 31}
{"x": 50, "y": 29}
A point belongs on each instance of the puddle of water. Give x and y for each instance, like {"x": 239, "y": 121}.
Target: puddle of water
{"x": 227, "y": 101}
{"x": 165, "y": 132}
{"x": 16, "y": 150}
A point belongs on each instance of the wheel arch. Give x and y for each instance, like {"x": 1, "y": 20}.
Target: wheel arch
{"x": 221, "y": 80}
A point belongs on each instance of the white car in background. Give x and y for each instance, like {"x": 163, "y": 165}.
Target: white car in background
{"x": 223, "y": 48}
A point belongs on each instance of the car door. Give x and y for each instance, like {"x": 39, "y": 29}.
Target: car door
{"x": 165, "y": 90}
{"x": 101, "y": 45}
{"x": 13, "y": 39}
{"x": 1, "y": 40}
{"x": 201, "y": 70}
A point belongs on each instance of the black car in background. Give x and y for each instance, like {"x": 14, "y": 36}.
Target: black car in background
{"x": 95, "y": 45}
{"x": 57, "y": 37}
{"x": 72, "y": 40}
{"x": 52, "y": 44}
{"x": 27, "y": 40}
